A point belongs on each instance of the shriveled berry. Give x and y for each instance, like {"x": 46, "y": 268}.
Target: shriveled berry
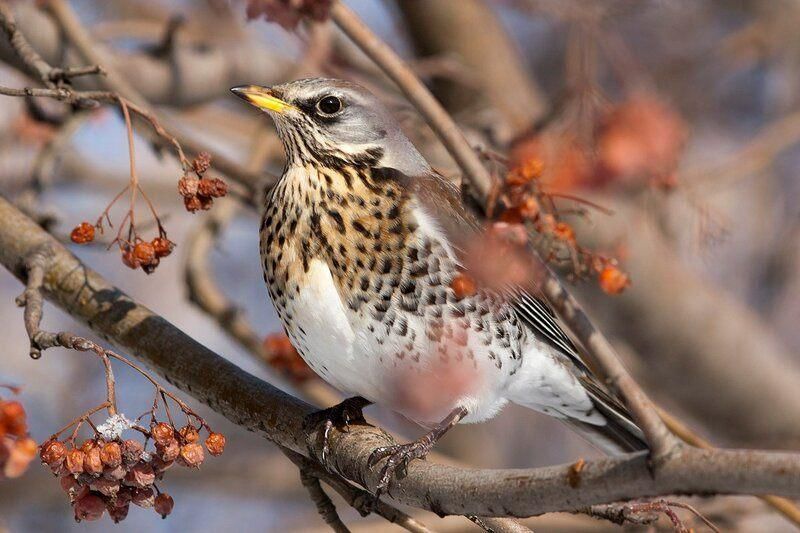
{"x": 118, "y": 510}
{"x": 189, "y": 434}
{"x": 202, "y": 162}
{"x": 212, "y": 188}
{"x": 144, "y": 252}
{"x": 82, "y": 233}
{"x": 74, "y": 461}
{"x": 129, "y": 260}
{"x": 115, "y": 473}
{"x": 168, "y": 451}
{"x": 140, "y": 475}
{"x": 70, "y": 485}
{"x": 163, "y": 504}
{"x": 162, "y": 246}
{"x": 89, "y": 507}
{"x": 144, "y": 498}
{"x": 106, "y": 487}
{"x": 192, "y": 203}
{"x": 192, "y": 455}
{"x": 53, "y": 453}
{"x": 160, "y": 465}
{"x": 187, "y": 187}
{"x": 162, "y": 433}
{"x": 111, "y": 454}
{"x": 131, "y": 451}
{"x": 215, "y": 444}
{"x": 92, "y": 464}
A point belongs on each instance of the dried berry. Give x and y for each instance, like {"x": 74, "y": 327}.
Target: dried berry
{"x": 70, "y": 485}
{"x": 163, "y": 504}
{"x": 162, "y": 246}
{"x": 564, "y": 232}
{"x": 118, "y": 510}
{"x": 215, "y": 443}
{"x": 192, "y": 203}
{"x": 144, "y": 498}
{"x": 529, "y": 208}
{"x": 192, "y": 455}
{"x": 111, "y": 454}
{"x": 525, "y": 173}
{"x": 82, "y": 233}
{"x": 168, "y": 451}
{"x": 53, "y": 453}
{"x": 162, "y": 433}
{"x": 106, "y": 487}
{"x": 189, "y": 434}
{"x": 160, "y": 465}
{"x": 92, "y": 464}
{"x": 89, "y": 507}
{"x": 144, "y": 252}
{"x": 202, "y": 162}
{"x": 74, "y": 461}
{"x": 187, "y": 187}
{"x": 141, "y": 475}
{"x": 212, "y": 188}
{"x": 613, "y": 280}
{"x": 131, "y": 451}
{"x": 129, "y": 259}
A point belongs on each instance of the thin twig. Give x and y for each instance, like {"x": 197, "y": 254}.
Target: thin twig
{"x": 325, "y": 507}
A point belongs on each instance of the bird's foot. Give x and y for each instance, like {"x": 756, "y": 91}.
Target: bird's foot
{"x": 339, "y": 416}
{"x": 397, "y": 458}
{"x": 399, "y": 455}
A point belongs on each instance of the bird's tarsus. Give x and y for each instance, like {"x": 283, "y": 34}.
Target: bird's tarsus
{"x": 339, "y": 416}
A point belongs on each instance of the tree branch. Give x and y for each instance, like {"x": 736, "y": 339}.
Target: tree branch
{"x": 258, "y": 406}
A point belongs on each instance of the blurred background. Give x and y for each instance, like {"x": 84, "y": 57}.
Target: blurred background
{"x": 680, "y": 119}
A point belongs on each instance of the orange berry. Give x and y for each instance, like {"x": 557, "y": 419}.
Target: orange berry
{"x": 162, "y": 246}
{"x": 202, "y": 162}
{"x": 53, "y": 453}
{"x": 564, "y": 232}
{"x": 212, "y": 188}
{"x": 463, "y": 286}
{"x": 215, "y": 443}
{"x": 189, "y": 434}
{"x": 144, "y": 252}
{"x": 74, "y": 461}
{"x": 187, "y": 187}
{"x": 162, "y": 433}
{"x": 613, "y": 280}
{"x": 82, "y": 233}
{"x": 529, "y": 208}
{"x": 141, "y": 475}
{"x": 92, "y": 464}
{"x": 168, "y": 451}
{"x": 111, "y": 454}
{"x": 192, "y": 455}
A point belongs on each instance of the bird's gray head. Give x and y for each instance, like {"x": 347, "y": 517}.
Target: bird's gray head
{"x": 321, "y": 118}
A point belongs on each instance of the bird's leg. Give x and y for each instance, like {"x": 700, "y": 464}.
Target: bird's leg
{"x": 399, "y": 455}
{"x": 340, "y": 416}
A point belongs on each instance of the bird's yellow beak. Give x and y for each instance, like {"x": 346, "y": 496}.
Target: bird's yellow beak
{"x": 261, "y": 97}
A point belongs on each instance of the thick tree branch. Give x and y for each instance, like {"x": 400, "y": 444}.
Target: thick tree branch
{"x": 260, "y": 407}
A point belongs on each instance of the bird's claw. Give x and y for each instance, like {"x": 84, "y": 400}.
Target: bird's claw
{"x": 397, "y": 457}
{"x": 339, "y": 416}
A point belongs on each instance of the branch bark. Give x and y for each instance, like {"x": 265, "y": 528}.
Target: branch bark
{"x": 260, "y": 407}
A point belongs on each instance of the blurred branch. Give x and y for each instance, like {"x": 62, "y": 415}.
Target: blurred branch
{"x": 190, "y": 75}
{"x": 447, "y": 27}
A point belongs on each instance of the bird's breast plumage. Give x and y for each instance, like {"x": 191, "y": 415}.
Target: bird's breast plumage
{"x": 407, "y": 338}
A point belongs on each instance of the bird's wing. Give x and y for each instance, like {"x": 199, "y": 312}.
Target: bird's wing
{"x": 441, "y": 201}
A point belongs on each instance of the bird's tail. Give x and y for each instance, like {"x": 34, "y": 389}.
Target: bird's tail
{"x": 619, "y": 434}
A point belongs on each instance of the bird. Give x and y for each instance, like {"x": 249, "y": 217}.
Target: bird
{"x": 362, "y": 242}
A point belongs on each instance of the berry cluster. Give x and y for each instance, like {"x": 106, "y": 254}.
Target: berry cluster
{"x": 108, "y": 474}
{"x": 199, "y": 191}
{"x": 17, "y": 449}
{"x": 525, "y": 200}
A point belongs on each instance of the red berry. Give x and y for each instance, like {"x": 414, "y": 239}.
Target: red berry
{"x": 163, "y": 504}
{"x": 215, "y": 443}
{"x": 82, "y": 233}
{"x": 162, "y": 433}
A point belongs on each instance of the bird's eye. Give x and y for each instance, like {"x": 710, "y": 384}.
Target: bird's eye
{"x": 329, "y": 105}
